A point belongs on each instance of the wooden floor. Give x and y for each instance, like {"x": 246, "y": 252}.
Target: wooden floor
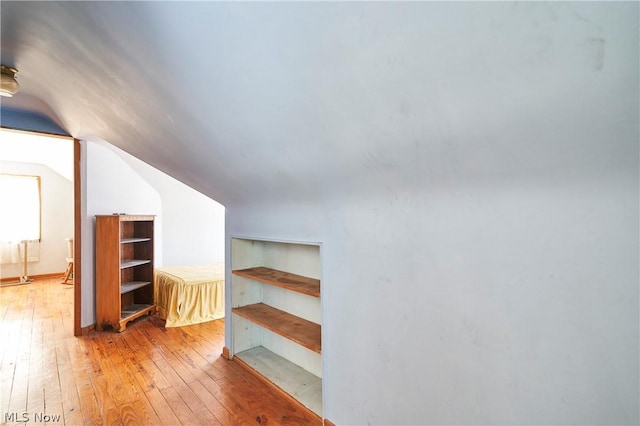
{"x": 145, "y": 375}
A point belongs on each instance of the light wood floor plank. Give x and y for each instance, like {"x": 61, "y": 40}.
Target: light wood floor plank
{"x": 161, "y": 406}
{"x": 89, "y": 408}
{"x": 147, "y": 375}
{"x": 219, "y": 411}
{"x": 180, "y": 409}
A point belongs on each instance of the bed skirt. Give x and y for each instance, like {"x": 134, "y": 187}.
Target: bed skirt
{"x": 188, "y": 295}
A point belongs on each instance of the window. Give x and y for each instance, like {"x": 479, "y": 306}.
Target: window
{"x": 20, "y": 210}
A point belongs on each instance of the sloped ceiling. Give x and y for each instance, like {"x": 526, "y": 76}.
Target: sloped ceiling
{"x": 269, "y": 102}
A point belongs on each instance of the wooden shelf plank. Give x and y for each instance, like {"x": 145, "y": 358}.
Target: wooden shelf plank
{"x": 134, "y": 240}
{"x": 299, "y": 330}
{"x": 133, "y": 285}
{"x": 274, "y": 277}
{"x": 131, "y": 310}
{"x": 289, "y": 377}
{"x": 132, "y": 263}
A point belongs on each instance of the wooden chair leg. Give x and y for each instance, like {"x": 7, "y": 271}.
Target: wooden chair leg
{"x": 68, "y": 273}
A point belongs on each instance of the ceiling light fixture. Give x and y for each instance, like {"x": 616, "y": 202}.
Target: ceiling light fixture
{"x": 8, "y": 83}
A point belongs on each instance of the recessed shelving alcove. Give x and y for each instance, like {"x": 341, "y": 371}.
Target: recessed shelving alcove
{"x": 277, "y": 317}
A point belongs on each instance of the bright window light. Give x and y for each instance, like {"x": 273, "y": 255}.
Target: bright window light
{"x": 20, "y": 211}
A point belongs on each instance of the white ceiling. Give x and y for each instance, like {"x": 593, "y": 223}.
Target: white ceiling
{"x": 268, "y": 102}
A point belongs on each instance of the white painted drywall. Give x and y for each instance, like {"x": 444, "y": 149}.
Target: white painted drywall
{"x": 56, "y": 194}
{"x": 504, "y": 303}
{"x": 192, "y": 223}
{"x": 479, "y": 227}
{"x": 189, "y": 226}
{"x": 111, "y": 187}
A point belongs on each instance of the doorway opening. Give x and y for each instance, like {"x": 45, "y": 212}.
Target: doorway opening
{"x": 54, "y": 161}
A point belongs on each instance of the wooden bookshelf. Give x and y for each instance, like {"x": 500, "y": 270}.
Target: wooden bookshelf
{"x": 134, "y": 311}
{"x": 124, "y": 269}
{"x": 133, "y": 262}
{"x": 274, "y": 277}
{"x": 133, "y": 285}
{"x": 133, "y": 240}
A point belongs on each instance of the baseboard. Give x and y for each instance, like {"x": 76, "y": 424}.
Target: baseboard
{"x": 226, "y": 353}
{"x": 12, "y": 283}
{"x": 279, "y": 391}
{"x": 328, "y": 423}
{"x": 10, "y": 280}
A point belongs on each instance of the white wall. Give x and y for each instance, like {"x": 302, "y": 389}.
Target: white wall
{"x": 192, "y": 223}
{"x": 506, "y": 303}
{"x": 189, "y": 226}
{"x": 57, "y": 219}
{"x": 110, "y": 186}
{"x": 479, "y": 226}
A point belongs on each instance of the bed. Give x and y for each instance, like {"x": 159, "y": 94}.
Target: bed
{"x": 189, "y": 294}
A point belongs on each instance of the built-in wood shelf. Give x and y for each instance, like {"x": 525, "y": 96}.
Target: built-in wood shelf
{"x": 293, "y": 282}
{"x": 134, "y": 240}
{"x": 299, "y": 330}
{"x": 294, "y": 380}
{"x": 132, "y": 263}
{"x": 133, "y": 285}
{"x": 276, "y": 317}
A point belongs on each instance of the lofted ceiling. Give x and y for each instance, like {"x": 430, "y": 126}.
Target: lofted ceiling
{"x": 269, "y": 102}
